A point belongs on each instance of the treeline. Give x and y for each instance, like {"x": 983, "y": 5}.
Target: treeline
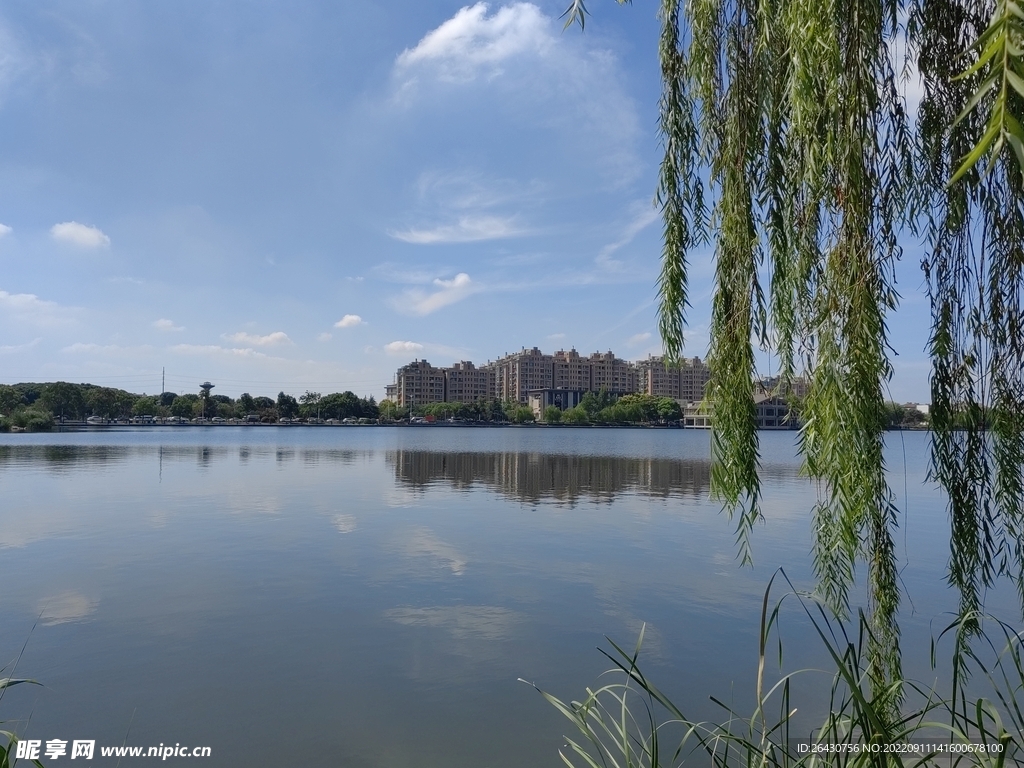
{"x": 35, "y": 407}
{"x": 594, "y": 408}
{"x": 893, "y": 415}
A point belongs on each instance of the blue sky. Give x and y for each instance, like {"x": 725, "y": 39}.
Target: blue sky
{"x": 306, "y": 195}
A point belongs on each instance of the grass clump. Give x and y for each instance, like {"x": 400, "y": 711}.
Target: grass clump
{"x": 8, "y": 739}
{"x": 629, "y": 723}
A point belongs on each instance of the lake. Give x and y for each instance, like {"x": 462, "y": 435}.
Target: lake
{"x": 370, "y": 596}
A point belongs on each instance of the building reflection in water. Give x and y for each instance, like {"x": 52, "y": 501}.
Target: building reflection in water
{"x": 530, "y": 477}
{"x": 58, "y": 458}
{"x": 537, "y": 477}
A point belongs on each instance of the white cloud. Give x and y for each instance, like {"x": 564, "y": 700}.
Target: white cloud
{"x": 81, "y": 235}
{"x": 325, "y": 336}
{"x": 515, "y": 62}
{"x": 163, "y": 324}
{"x": 469, "y": 229}
{"x": 214, "y": 349}
{"x": 8, "y": 349}
{"x": 349, "y": 321}
{"x": 556, "y": 336}
{"x": 403, "y": 347}
{"x": 638, "y": 339}
{"x": 450, "y": 291}
{"x": 471, "y": 42}
{"x": 271, "y": 339}
{"x": 29, "y": 308}
{"x": 5, "y": 230}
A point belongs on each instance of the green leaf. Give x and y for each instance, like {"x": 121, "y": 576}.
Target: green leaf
{"x": 976, "y": 154}
{"x": 1015, "y": 136}
{"x": 983, "y": 89}
{"x": 987, "y": 55}
{"x": 1016, "y": 81}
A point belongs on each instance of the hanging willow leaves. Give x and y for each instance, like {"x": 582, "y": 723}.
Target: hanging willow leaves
{"x": 790, "y": 111}
{"x": 999, "y": 68}
{"x": 801, "y": 134}
{"x": 969, "y": 55}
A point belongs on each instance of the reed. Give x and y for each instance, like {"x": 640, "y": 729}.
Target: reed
{"x": 629, "y": 723}
{"x": 8, "y": 739}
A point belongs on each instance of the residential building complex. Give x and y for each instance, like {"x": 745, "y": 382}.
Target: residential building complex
{"x": 513, "y": 376}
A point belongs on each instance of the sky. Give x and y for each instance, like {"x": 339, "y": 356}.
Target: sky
{"x": 291, "y": 196}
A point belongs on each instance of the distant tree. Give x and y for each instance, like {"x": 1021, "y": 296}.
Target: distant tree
{"x": 101, "y": 401}
{"x": 594, "y": 402}
{"x": 123, "y": 402}
{"x": 523, "y": 415}
{"x": 10, "y": 399}
{"x": 262, "y": 403}
{"x": 246, "y": 404}
{"x": 914, "y": 418}
{"x": 184, "y": 405}
{"x": 552, "y": 414}
{"x": 166, "y": 398}
{"x": 344, "y": 405}
{"x": 146, "y": 406}
{"x": 390, "y": 411}
{"x": 310, "y": 404}
{"x": 576, "y": 416}
{"x": 287, "y": 406}
{"x": 30, "y": 392}
{"x": 669, "y": 409}
{"x": 64, "y": 400}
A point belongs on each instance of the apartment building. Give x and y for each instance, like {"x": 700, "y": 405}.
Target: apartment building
{"x": 465, "y": 383}
{"x": 685, "y": 382}
{"x": 612, "y": 374}
{"x": 797, "y": 386}
{"x": 419, "y": 383}
{"x": 516, "y": 374}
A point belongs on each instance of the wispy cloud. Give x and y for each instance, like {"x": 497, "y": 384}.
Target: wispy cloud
{"x": 556, "y": 336}
{"x": 10, "y": 349}
{"x": 214, "y": 349}
{"x": 80, "y": 347}
{"x": 638, "y": 339}
{"x": 80, "y": 235}
{"x": 349, "y": 321}
{"x": 325, "y": 336}
{"x": 5, "y": 230}
{"x": 640, "y": 221}
{"x": 468, "y": 229}
{"x": 29, "y": 308}
{"x": 403, "y": 347}
{"x": 471, "y": 43}
{"x": 163, "y": 324}
{"x": 270, "y": 340}
{"x": 449, "y": 292}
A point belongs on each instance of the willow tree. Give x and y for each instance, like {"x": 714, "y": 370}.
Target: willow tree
{"x": 789, "y": 150}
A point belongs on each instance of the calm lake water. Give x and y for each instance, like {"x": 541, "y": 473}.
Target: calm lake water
{"x": 369, "y": 596}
